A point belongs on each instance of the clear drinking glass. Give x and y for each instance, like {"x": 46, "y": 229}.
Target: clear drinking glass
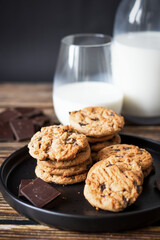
{"x": 83, "y": 75}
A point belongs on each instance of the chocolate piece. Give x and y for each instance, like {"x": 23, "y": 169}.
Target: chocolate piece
{"x": 22, "y": 128}
{"x": 40, "y": 121}
{"x": 8, "y": 115}
{"x": 102, "y": 187}
{"x": 95, "y": 119}
{"x": 83, "y": 124}
{"x": 28, "y": 112}
{"x": 5, "y": 132}
{"x": 39, "y": 193}
{"x": 157, "y": 183}
{"x": 24, "y": 182}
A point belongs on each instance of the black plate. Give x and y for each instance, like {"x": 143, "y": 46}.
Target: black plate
{"x": 70, "y": 210}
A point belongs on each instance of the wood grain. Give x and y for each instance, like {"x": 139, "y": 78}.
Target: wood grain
{"x": 15, "y": 226}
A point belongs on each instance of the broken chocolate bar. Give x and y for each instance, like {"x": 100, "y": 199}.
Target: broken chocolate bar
{"x": 28, "y": 112}
{"x": 14, "y": 123}
{"x": 5, "y": 132}
{"x": 22, "y": 128}
{"x": 8, "y": 115}
{"x": 24, "y": 182}
{"x": 39, "y": 193}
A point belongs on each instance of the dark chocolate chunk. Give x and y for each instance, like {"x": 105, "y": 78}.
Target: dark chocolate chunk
{"x": 70, "y": 141}
{"x": 28, "y": 112}
{"x": 95, "y": 119}
{"x": 125, "y": 201}
{"x": 82, "y": 124}
{"x": 22, "y": 128}
{"x": 5, "y": 132}
{"x": 8, "y": 115}
{"x": 109, "y": 165}
{"x": 102, "y": 187}
{"x": 39, "y": 193}
{"x": 24, "y": 182}
{"x": 40, "y": 121}
{"x": 157, "y": 183}
{"x": 138, "y": 187}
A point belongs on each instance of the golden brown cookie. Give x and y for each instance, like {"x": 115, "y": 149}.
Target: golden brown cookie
{"x": 95, "y": 147}
{"x": 79, "y": 159}
{"x": 139, "y": 155}
{"x": 96, "y": 121}
{"x": 113, "y": 184}
{"x": 47, "y": 177}
{"x": 99, "y": 139}
{"x": 57, "y": 142}
{"x": 66, "y": 172}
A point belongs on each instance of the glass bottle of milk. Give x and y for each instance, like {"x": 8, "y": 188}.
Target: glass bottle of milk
{"x": 136, "y": 58}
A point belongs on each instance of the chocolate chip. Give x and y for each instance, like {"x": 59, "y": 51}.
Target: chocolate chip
{"x": 102, "y": 187}
{"x": 103, "y": 196}
{"x": 117, "y": 150}
{"x": 39, "y": 139}
{"x": 112, "y": 114}
{"x": 126, "y": 148}
{"x": 95, "y": 119}
{"x": 138, "y": 187}
{"x": 125, "y": 201}
{"x": 82, "y": 124}
{"x": 70, "y": 141}
{"x": 109, "y": 165}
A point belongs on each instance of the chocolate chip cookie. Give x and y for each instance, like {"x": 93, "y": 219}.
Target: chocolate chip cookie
{"x": 66, "y": 172}
{"x": 139, "y": 155}
{"x": 95, "y": 147}
{"x": 65, "y": 180}
{"x": 96, "y": 121}
{"x": 57, "y": 142}
{"x": 113, "y": 184}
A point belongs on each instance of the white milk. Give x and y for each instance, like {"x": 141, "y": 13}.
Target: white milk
{"x": 136, "y": 69}
{"x": 75, "y": 96}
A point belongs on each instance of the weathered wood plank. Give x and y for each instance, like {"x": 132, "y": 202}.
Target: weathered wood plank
{"x": 33, "y": 232}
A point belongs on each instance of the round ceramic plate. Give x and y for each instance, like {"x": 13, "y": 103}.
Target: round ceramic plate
{"x": 70, "y": 210}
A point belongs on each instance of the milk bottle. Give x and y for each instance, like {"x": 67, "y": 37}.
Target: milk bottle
{"x": 136, "y": 70}
{"x": 136, "y": 57}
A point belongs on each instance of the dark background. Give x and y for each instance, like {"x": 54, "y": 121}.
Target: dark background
{"x": 31, "y": 31}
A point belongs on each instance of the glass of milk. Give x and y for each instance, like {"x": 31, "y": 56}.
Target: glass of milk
{"x": 83, "y": 76}
{"x": 136, "y": 59}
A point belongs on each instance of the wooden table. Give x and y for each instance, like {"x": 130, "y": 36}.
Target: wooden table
{"x": 15, "y": 226}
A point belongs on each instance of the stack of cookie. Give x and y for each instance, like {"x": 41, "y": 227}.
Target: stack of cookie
{"x": 115, "y": 181}
{"x": 99, "y": 124}
{"x": 63, "y": 155}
